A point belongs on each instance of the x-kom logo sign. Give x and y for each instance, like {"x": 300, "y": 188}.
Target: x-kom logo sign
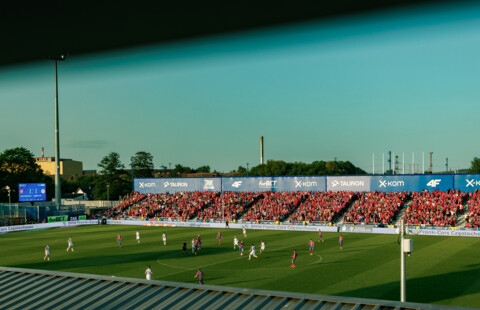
{"x": 143, "y": 184}
{"x": 472, "y": 183}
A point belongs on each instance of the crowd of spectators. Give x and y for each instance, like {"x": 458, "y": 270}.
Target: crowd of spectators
{"x": 435, "y": 208}
{"x": 128, "y": 202}
{"x": 375, "y": 208}
{"x": 274, "y": 206}
{"x": 426, "y": 208}
{"x": 180, "y": 205}
{"x": 323, "y": 207}
{"x": 472, "y": 218}
{"x": 228, "y": 206}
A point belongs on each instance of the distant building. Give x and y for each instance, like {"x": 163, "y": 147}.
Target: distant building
{"x": 69, "y": 168}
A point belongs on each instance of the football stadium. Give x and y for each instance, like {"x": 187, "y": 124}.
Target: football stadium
{"x": 319, "y": 222}
{"x": 175, "y": 231}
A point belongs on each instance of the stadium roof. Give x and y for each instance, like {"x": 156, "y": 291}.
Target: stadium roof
{"x": 40, "y": 289}
{"x": 42, "y": 30}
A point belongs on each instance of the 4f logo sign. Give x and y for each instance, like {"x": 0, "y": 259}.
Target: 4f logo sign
{"x": 434, "y": 182}
{"x": 237, "y": 184}
{"x": 472, "y": 183}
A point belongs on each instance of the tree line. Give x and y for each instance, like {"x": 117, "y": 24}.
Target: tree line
{"x": 18, "y": 166}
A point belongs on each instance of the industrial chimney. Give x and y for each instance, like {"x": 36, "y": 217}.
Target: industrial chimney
{"x": 261, "y": 150}
{"x": 431, "y": 165}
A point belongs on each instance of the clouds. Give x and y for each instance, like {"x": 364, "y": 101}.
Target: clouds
{"x": 87, "y": 144}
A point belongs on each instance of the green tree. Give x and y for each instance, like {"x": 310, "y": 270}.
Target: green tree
{"x": 113, "y": 181}
{"x": 475, "y": 166}
{"x": 111, "y": 166}
{"x": 18, "y": 166}
{"x": 204, "y": 169}
{"x": 279, "y": 167}
{"x": 142, "y": 165}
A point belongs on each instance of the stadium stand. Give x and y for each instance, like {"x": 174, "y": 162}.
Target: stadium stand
{"x": 228, "y": 205}
{"x": 323, "y": 207}
{"x": 274, "y": 206}
{"x": 472, "y": 218}
{"x": 375, "y": 208}
{"x": 423, "y": 208}
{"x": 434, "y": 208}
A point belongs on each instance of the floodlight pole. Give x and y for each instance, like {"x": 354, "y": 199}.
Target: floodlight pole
{"x": 403, "y": 285}
{"x": 58, "y": 191}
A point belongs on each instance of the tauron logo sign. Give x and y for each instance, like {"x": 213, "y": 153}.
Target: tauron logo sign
{"x": 473, "y": 183}
{"x": 237, "y": 184}
{"x": 347, "y": 183}
{"x": 208, "y": 184}
{"x": 267, "y": 184}
{"x": 434, "y": 182}
{"x": 175, "y": 184}
{"x": 385, "y": 183}
{"x": 305, "y": 183}
{"x": 146, "y": 185}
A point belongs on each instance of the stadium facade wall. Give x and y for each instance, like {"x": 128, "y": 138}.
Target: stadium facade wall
{"x": 381, "y": 183}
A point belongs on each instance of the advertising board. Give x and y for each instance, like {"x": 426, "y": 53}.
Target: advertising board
{"x": 32, "y": 192}
{"x": 172, "y": 185}
{"x": 348, "y": 183}
{"x": 411, "y": 183}
{"x": 467, "y": 182}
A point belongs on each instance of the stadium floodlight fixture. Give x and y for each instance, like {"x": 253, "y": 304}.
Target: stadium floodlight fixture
{"x": 58, "y": 193}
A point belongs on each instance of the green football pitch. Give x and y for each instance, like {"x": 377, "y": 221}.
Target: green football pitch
{"x": 441, "y": 270}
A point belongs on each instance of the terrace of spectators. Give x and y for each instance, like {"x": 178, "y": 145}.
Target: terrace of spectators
{"x": 375, "y": 208}
{"x": 419, "y": 208}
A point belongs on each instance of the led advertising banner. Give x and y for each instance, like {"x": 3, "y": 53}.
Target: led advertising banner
{"x": 433, "y": 182}
{"x": 249, "y": 184}
{"x": 32, "y": 192}
{"x": 348, "y": 184}
{"x": 467, "y": 182}
{"x": 172, "y": 185}
{"x": 59, "y": 218}
{"x": 301, "y": 184}
{"x": 382, "y": 183}
{"x": 411, "y": 183}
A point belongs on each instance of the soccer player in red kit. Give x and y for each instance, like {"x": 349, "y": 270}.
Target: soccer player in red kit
{"x": 320, "y": 235}
{"x": 312, "y": 244}
{"x": 294, "y": 257}
{"x": 200, "y": 276}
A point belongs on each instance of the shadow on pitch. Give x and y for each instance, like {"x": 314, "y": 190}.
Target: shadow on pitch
{"x": 64, "y": 263}
{"x": 426, "y": 289}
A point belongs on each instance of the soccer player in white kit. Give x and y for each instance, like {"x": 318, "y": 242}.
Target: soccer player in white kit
{"x": 244, "y": 232}
{"x": 252, "y": 252}
{"x": 70, "y": 243}
{"x": 235, "y": 242}
{"x": 47, "y": 253}
{"x": 148, "y": 273}
{"x": 164, "y": 237}
{"x": 262, "y": 246}
{"x": 137, "y": 234}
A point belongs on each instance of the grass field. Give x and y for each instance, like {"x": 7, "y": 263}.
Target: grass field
{"x": 441, "y": 270}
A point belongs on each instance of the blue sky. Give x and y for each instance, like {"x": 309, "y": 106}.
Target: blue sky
{"x": 405, "y": 81}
